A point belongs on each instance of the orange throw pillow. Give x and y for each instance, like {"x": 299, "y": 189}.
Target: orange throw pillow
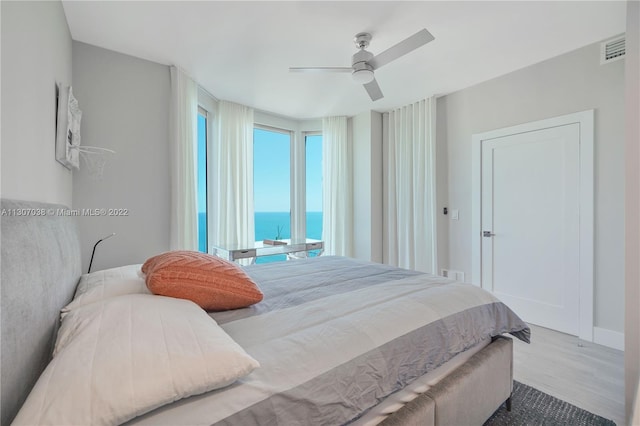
{"x": 213, "y": 283}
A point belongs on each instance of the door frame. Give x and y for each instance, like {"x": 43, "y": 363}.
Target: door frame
{"x": 585, "y": 119}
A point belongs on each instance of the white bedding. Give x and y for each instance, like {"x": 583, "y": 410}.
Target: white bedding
{"x": 335, "y": 337}
{"x": 107, "y": 283}
{"x": 126, "y": 355}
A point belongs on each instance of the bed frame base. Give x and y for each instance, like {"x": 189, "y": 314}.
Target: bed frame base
{"x": 467, "y": 396}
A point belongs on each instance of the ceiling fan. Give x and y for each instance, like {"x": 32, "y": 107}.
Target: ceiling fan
{"x": 363, "y": 63}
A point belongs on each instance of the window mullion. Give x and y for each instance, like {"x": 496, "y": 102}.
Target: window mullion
{"x": 298, "y": 186}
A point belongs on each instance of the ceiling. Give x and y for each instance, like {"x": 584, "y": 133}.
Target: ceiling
{"x": 241, "y": 51}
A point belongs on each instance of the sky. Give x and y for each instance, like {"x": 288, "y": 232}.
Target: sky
{"x": 271, "y": 171}
{"x": 314, "y": 173}
{"x": 271, "y": 158}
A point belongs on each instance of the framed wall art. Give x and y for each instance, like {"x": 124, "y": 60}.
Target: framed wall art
{"x": 68, "y": 128}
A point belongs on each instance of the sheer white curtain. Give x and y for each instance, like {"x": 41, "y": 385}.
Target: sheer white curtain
{"x": 411, "y": 239}
{"x": 183, "y": 133}
{"x": 337, "y": 187}
{"x": 232, "y": 180}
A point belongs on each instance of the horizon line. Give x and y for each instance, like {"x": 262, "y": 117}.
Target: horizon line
{"x": 274, "y": 211}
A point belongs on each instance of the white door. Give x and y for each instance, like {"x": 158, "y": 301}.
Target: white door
{"x": 530, "y": 223}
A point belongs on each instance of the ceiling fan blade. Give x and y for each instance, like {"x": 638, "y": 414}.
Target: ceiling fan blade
{"x": 373, "y": 90}
{"x": 407, "y": 45}
{"x": 320, "y": 69}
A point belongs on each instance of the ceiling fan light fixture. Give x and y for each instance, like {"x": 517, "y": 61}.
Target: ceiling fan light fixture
{"x": 362, "y": 76}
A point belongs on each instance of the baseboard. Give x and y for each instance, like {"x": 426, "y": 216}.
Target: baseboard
{"x": 610, "y": 338}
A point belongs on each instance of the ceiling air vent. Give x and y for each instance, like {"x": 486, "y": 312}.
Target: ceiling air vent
{"x": 612, "y": 50}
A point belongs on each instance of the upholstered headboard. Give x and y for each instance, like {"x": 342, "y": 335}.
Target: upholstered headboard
{"x": 40, "y": 267}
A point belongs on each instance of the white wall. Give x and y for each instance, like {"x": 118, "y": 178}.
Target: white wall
{"x": 569, "y": 83}
{"x": 632, "y": 210}
{"x": 125, "y": 103}
{"x": 367, "y": 186}
{"x": 36, "y": 54}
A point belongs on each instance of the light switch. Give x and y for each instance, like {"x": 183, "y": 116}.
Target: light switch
{"x": 454, "y": 214}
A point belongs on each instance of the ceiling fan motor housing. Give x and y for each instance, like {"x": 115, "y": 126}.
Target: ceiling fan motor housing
{"x": 362, "y": 71}
{"x": 361, "y": 56}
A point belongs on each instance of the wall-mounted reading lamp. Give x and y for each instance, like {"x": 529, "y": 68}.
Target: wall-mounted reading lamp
{"x": 94, "y": 248}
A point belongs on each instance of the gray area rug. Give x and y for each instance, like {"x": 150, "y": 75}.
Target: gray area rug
{"x": 529, "y": 406}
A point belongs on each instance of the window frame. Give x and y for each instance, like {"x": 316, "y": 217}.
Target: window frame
{"x": 298, "y": 128}
{"x": 209, "y": 104}
{"x": 202, "y": 111}
{"x": 291, "y": 135}
{"x": 304, "y": 168}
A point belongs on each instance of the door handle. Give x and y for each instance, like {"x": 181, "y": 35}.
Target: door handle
{"x": 487, "y": 234}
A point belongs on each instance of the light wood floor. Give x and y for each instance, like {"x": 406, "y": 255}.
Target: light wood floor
{"x": 584, "y": 374}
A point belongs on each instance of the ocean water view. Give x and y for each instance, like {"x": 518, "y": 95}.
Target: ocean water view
{"x": 267, "y": 224}
{"x": 270, "y": 225}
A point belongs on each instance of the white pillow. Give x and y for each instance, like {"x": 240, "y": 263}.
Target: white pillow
{"x": 107, "y": 283}
{"x": 128, "y": 355}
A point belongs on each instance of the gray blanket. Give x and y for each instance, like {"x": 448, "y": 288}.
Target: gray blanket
{"x": 335, "y": 336}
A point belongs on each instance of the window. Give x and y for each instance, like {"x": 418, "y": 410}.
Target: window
{"x": 202, "y": 180}
{"x": 272, "y": 186}
{"x": 313, "y": 190}
{"x": 287, "y": 177}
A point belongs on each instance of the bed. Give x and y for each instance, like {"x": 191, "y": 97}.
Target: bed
{"x": 338, "y": 341}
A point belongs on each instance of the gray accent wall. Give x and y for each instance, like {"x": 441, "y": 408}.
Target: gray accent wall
{"x": 442, "y": 189}
{"x": 36, "y": 54}
{"x": 569, "y": 83}
{"x": 125, "y": 103}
